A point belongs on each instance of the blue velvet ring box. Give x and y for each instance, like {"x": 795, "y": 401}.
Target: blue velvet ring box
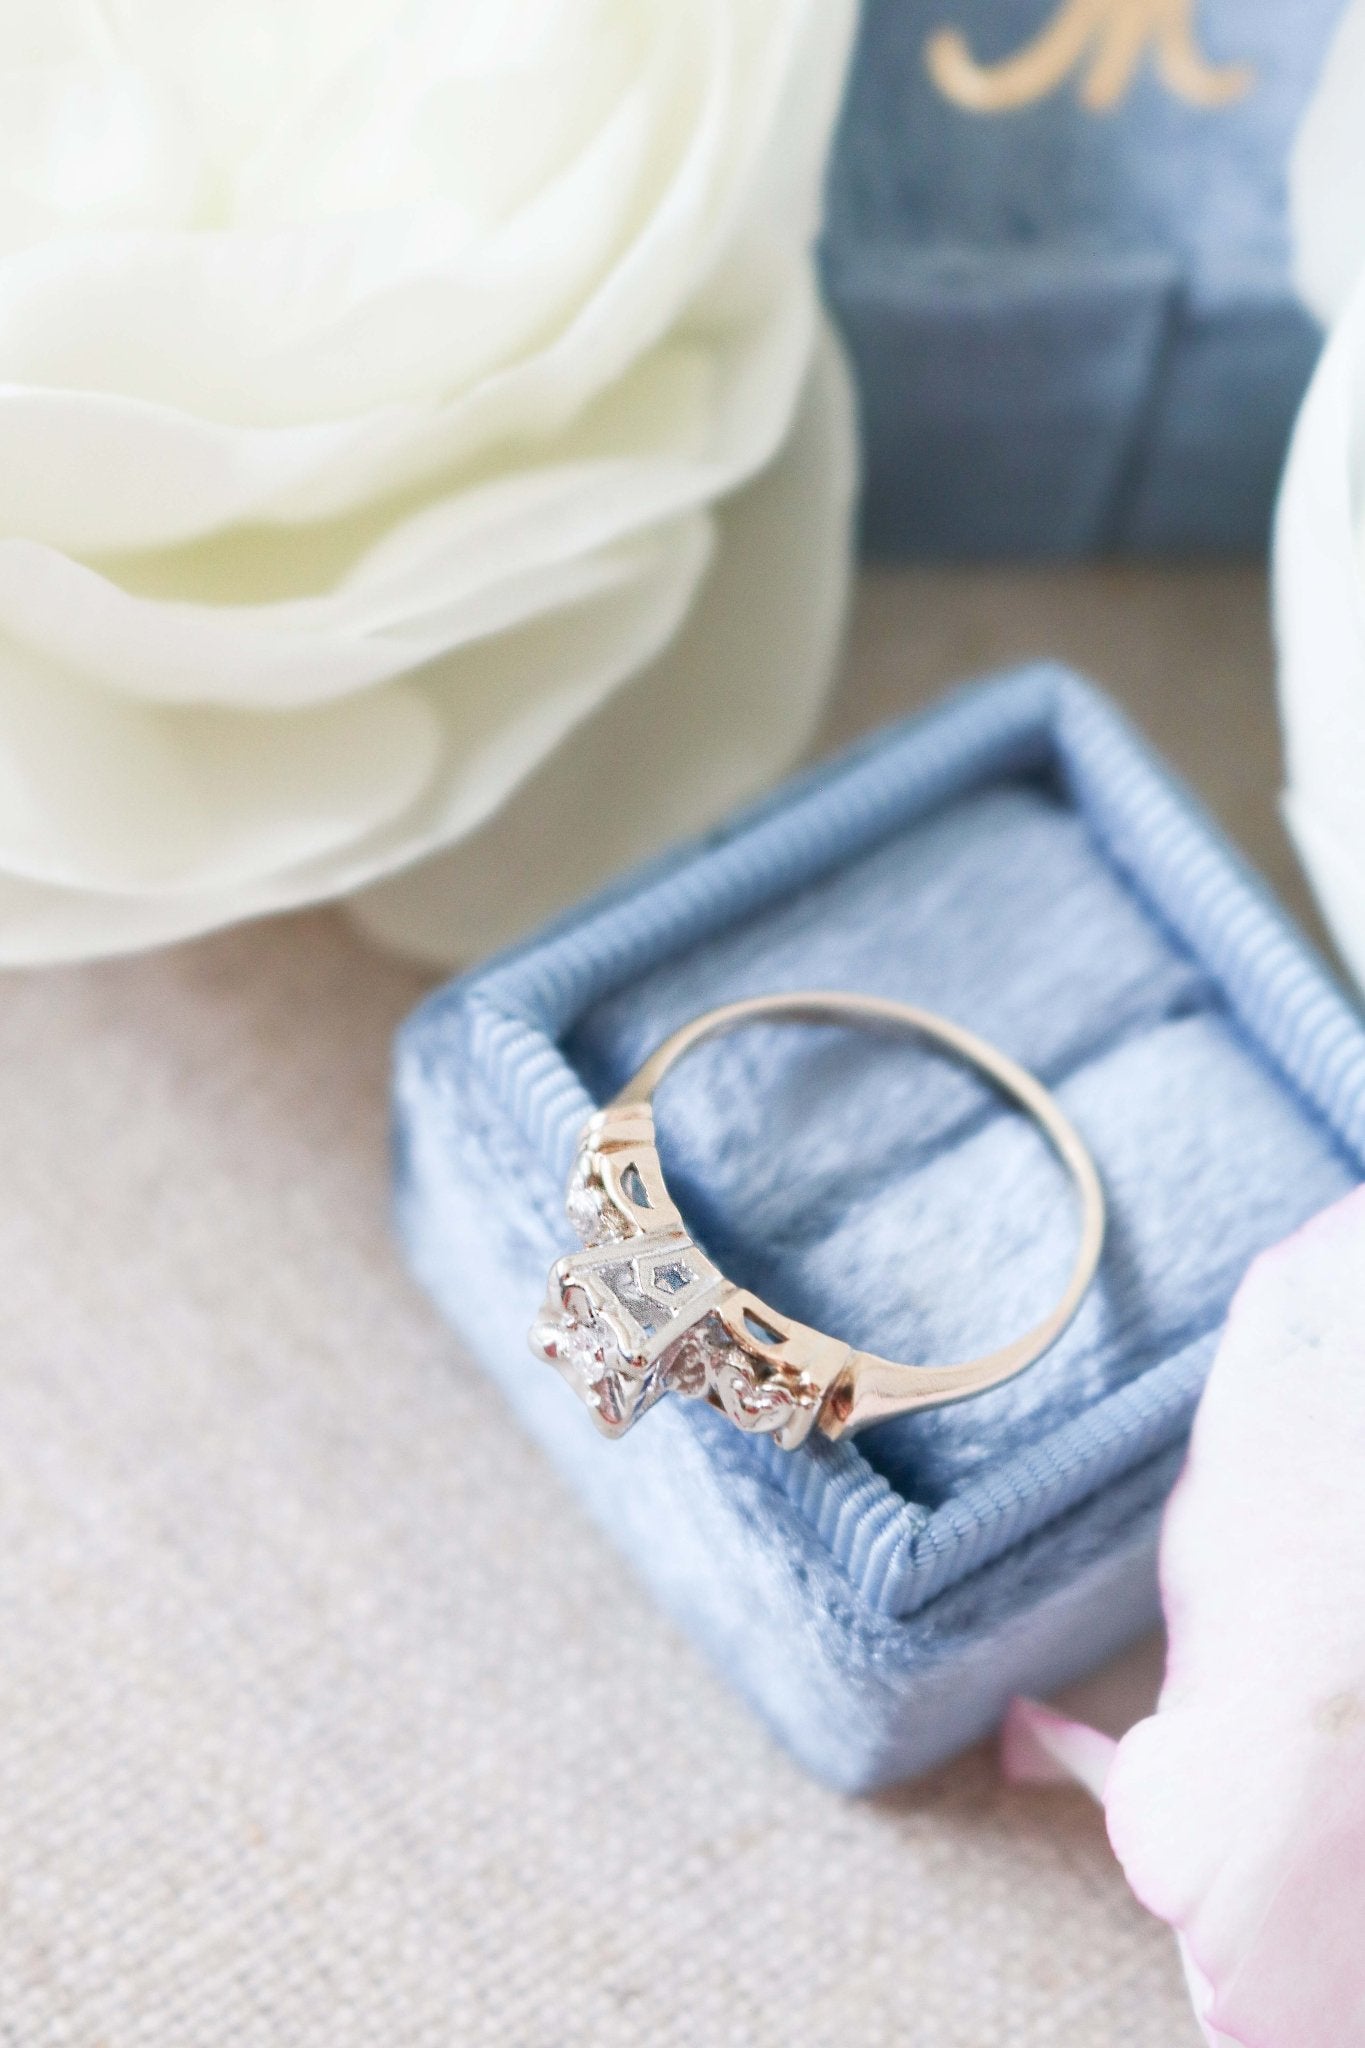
{"x": 1017, "y": 861}
{"x": 1057, "y": 241}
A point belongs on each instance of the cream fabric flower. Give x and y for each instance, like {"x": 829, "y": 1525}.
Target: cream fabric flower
{"x": 385, "y": 386}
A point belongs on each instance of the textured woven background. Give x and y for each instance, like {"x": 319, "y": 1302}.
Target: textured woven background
{"x": 325, "y": 1718}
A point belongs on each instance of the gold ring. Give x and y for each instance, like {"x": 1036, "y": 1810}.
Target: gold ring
{"x": 641, "y": 1311}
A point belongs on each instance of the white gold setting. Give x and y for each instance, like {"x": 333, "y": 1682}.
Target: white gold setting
{"x": 641, "y": 1311}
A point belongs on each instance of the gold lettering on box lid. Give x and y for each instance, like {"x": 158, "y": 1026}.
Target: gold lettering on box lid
{"x": 1104, "y": 41}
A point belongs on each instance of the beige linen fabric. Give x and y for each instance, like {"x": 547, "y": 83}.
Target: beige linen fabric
{"x": 325, "y": 1716}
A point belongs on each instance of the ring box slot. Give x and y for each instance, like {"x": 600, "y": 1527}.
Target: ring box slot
{"x": 1016, "y": 861}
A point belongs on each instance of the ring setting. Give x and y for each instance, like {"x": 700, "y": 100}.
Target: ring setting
{"x": 640, "y": 1310}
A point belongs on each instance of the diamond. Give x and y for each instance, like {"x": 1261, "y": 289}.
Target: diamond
{"x": 596, "y": 1219}
{"x": 584, "y": 1348}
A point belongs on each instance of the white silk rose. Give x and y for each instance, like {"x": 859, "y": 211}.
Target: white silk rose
{"x": 1320, "y": 527}
{"x": 417, "y": 432}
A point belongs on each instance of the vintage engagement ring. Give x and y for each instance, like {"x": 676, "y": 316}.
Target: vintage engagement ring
{"x": 641, "y": 1311}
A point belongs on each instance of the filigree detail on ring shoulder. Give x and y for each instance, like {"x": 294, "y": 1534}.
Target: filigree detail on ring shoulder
{"x": 641, "y": 1311}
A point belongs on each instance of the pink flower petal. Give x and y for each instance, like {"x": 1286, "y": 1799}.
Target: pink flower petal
{"x": 1039, "y": 1746}
{"x": 1238, "y": 1809}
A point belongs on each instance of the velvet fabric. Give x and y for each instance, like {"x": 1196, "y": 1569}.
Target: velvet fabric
{"x": 1016, "y": 861}
{"x": 1072, "y": 325}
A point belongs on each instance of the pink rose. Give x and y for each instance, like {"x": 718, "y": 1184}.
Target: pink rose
{"x": 1237, "y": 1809}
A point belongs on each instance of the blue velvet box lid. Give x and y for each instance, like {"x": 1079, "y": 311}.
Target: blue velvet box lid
{"x": 1016, "y": 860}
{"x": 1064, "y": 280}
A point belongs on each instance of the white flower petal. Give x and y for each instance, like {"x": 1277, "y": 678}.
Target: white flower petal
{"x": 1327, "y": 174}
{"x": 336, "y": 313}
{"x": 1320, "y": 629}
{"x": 252, "y": 813}
{"x": 96, "y": 790}
{"x": 373, "y": 380}
{"x": 379, "y": 599}
{"x": 124, "y": 432}
{"x": 416, "y": 304}
{"x": 732, "y": 703}
{"x": 155, "y": 479}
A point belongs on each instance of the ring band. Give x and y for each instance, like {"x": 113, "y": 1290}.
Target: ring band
{"x": 641, "y": 1311}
